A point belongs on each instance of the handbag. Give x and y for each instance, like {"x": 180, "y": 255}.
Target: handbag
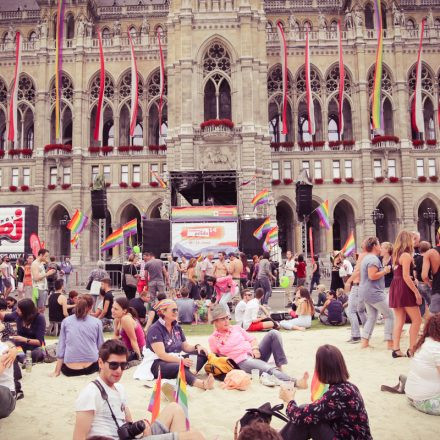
{"x": 219, "y": 366}
{"x": 95, "y": 287}
{"x": 89, "y": 284}
{"x": 130, "y": 279}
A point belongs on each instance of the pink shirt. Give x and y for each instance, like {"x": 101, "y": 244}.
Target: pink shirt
{"x": 140, "y": 337}
{"x": 235, "y": 344}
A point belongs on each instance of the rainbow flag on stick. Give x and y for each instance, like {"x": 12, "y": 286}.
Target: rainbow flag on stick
{"x": 261, "y": 198}
{"x": 113, "y": 240}
{"x": 154, "y": 405}
{"x": 181, "y": 393}
{"x": 261, "y": 230}
{"x": 349, "y": 246}
{"x": 75, "y": 240}
{"x": 160, "y": 181}
{"x": 78, "y": 222}
{"x": 272, "y": 236}
{"x": 318, "y": 389}
{"x": 130, "y": 228}
{"x": 322, "y": 211}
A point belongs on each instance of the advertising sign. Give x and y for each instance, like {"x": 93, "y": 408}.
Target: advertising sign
{"x": 17, "y": 223}
{"x": 194, "y": 239}
{"x": 204, "y": 213}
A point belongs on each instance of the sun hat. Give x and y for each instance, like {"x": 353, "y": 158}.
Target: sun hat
{"x": 218, "y": 312}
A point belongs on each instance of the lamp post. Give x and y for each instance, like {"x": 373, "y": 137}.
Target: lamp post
{"x": 430, "y": 216}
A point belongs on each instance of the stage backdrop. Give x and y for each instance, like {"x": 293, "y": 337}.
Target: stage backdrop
{"x": 194, "y": 239}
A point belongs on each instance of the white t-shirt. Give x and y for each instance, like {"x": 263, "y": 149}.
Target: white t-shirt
{"x": 239, "y": 312}
{"x": 90, "y": 400}
{"x": 346, "y": 269}
{"x": 251, "y": 312}
{"x": 423, "y": 380}
{"x": 7, "y": 377}
{"x": 41, "y": 284}
{"x": 290, "y": 265}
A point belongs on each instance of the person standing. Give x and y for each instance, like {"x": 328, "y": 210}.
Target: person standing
{"x": 39, "y": 278}
{"x": 94, "y": 282}
{"x": 130, "y": 277}
{"x": 157, "y": 276}
{"x": 173, "y": 274}
{"x": 404, "y": 296}
{"x": 220, "y": 266}
{"x": 336, "y": 280}
{"x": 206, "y": 273}
{"x": 67, "y": 268}
{"x": 107, "y": 303}
{"x": 27, "y": 280}
{"x": 289, "y": 271}
{"x": 316, "y": 273}
{"x": 52, "y": 278}
{"x": 244, "y": 275}
{"x": 235, "y": 269}
{"x": 431, "y": 262}
{"x": 6, "y": 272}
{"x": 191, "y": 280}
{"x": 264, "y": 277}
{"x": 371, "y": 289}
{"x": 19, "y": 276}
{"x": 301, "y": 271}
{"x": 386, "y": 252}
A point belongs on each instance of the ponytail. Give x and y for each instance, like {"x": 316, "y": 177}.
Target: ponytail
{"x": 124, "y": 304}
{"x": 83, "y": 306}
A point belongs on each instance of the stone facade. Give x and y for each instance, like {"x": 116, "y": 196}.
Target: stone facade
{"x": 223, "y": 61}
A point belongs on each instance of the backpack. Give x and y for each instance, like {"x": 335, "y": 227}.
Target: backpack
{"x": 219, "y": 366}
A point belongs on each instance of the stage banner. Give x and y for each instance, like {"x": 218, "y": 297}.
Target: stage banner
{"x": 204, "y": 213}
{"x": 194, "y": 239}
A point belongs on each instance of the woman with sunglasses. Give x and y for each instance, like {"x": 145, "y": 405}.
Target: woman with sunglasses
{"x": 166, "y": 341}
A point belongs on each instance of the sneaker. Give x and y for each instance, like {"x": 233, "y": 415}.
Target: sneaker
{"x": 19, "y": 395}
{"x": 354, "y": 340}
{"x": 266, "y": 380}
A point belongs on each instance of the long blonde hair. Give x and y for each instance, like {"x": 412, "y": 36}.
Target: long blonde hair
{"x": 403, "y": 243}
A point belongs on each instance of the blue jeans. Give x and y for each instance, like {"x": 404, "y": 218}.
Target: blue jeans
{"x": 372, "y": 311}
{"x": 271, "y": 344}
{"x": 314, "y": 282}
{"x": 265, "y": 285}
{"x": 353, "y": 312}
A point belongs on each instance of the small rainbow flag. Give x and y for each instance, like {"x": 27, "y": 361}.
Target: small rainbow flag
{"x": 261, "y": 230}
{"x": 154, "y": 405}
{"x": 19, "y": 349}
{"x": 114, "y": 239}
{"x": 261, "y": 198}
{"x": 322, "y": 211}
{"x": 349, "y": 246}
{"x": 43, "y": 347}
{"x": 78, "y": 222}
{"x": 160, "y": 181}
{"x": 181, "y": 393}
{"x": 130, "y": 228}
{"x": 318, "y": 389}
{"x": 272, "y": 236}
{"x": 75, "y": 240}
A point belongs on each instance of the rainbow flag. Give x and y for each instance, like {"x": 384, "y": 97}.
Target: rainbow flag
{"x": 160, "y": 181}
{"x": 261, "y": 198}
{"x": 78, "y": 222}
{"x": 154, "y": 405}
{"x": 43, "y": 347}
{"x": 318, "y": 389}
{"x": 322, "y": 211}
{"x": 181, "y": 393}
{"x": 75, "y": 240}
{"x": 114, "y": 239}
{"x": 261, "y": 230}
{"x": 377, "y": 88}
{"x": 19, "y": 349}
{"x": 130, "y": 228}
{"x": 272, "y": 236}
{"x": 349, "y": 246}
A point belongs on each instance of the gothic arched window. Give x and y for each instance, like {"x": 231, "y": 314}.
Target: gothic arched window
{"x": 26, "y": 89}
{"x": 70, "y": 27}
{"x": 109, "y": 88}
{"x": 387, "y": 85}
{"x": 427, "y": 80}
{"x": 125, "y": 85}
{"x": 3, "y": 93}
{"x": 33, "y": 37}
{"x": 315, "y": 81}
{"x": 275, "y": 81}
{"x": 332, "y": 81}
{"x": 66, "y": 89}
{"x": 369, "y": 16}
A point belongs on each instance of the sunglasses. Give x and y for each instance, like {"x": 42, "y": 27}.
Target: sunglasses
{"x": 116, "y": 365}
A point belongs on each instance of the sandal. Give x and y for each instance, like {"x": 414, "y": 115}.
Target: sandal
{"x": 395, "y": 355}
{"x": 409, "y": 353}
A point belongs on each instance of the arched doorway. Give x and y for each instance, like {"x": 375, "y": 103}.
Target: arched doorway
{"x": 94, "y": 238}
{"x": 344, "y": 223}
{"x": 386, "y": 228}
{"x": 155, "y": 212}
{"x": 129, "y": 213}
{"x": 285, "y": 226}
{"x": 427, "y": 220}
{"x": 59, "y": 235}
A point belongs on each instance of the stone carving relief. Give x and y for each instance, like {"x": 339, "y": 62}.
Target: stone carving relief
{"x": 218, "y": 158}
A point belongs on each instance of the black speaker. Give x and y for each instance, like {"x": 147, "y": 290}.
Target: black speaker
{"x": 303, "y": 199}
{"x": 99, "y": 203}
{"x": 156, "y": 236}
{"x": 248, "y": 243}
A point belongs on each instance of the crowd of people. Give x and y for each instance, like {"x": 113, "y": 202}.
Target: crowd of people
{"x": 386, "y": 283}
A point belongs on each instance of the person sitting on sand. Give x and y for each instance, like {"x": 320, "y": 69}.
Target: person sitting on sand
{"x": 128, "y": 328}
{"x": 340, "y": 413}
{"x": 256, "y": 317}
{"x": 422, "y": 386}
{"x": 305, "y": 310}
{"x": 9, "y": 382}
{"x": 80, "y": 339}
{"x": 166, "y": 341}
{"x": 187, "y": 307}
{"x": 72, "y": 300}
{"x": 334, "y": 309}
{"x": 31, "y": 327}
{"x": 243, "y": 348}
{"x": 240, "y": 308}
{"x": 141, "y": 304}
{"x": 322, "y": 297}
{"x": 96, "y": 417}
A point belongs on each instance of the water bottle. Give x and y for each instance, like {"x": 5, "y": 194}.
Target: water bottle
{"x": 28, "y": 361}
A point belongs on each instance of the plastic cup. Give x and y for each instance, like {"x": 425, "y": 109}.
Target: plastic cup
{"x": 193, "y": 367}
{"x": 255, "y": 374}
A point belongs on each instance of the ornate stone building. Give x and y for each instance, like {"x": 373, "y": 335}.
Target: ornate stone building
{"x": 222, "y": 62}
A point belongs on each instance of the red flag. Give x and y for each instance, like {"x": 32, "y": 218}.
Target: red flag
{"x": 134, "y": 88}
{"x": 311, "y": 243}
{"x": 341, "y": 82}
{"x": 13, "y": 129}
{"x": 284, "y": 73}
{"x": 99, "y": 122}
{"x": 162, "y": 80}
{"x": 418, "y": 123}
{"x": 310, "y": 106}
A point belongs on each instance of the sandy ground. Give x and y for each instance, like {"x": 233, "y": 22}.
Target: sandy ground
{"x": 47, "y": 411}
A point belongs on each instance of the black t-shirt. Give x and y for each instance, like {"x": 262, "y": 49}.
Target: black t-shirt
{"x": 36, "y": 330}
{"x": 139, "y": 306}
{"x": 108, "y": 297}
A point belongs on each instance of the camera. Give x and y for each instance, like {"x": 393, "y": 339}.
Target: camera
{"x": 130, "y": 430}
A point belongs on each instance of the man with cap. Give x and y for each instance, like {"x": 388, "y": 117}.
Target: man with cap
{"x": 243, "y": 348}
